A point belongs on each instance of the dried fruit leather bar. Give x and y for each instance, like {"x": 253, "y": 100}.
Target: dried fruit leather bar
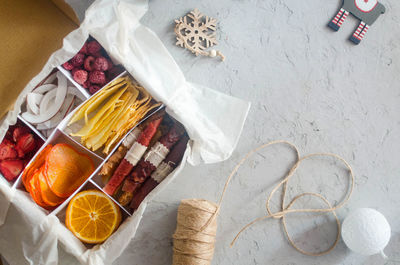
{"x": 132, "y": 157}
{"x": 149, "y": 163}
{"x": 163, "y": 170}
{"x": 112, "y": 163}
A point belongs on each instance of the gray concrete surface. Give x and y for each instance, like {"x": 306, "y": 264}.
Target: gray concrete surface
{"x": 308, "y": 85}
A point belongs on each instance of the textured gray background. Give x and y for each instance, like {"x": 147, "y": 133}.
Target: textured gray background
{"x": 307, "y": 85}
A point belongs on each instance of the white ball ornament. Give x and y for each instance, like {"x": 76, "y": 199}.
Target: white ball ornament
{"x": 366, "y": 231}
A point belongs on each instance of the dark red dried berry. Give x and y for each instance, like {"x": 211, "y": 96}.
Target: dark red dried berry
{"x": 88, "y": 64}
{"x": 100, "y": 64}
{"x": 97, "y": 77}
{"x": 110, "y": 64}
{"x": 114, "y": 71}
{"x": 93, "y": 89}
{"x": 80, "y": 76}
{"x": 83, "y": 49}
{"x": 73, "y": 71}
{"x": 86, "y": 84}
{"x": 93, "y": 47}
{"x": 78, "y": 59}
{"x": 68, "y": 66}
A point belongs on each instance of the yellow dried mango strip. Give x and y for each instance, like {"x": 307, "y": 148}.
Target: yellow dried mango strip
{"x": 97, "y": 140}
{"x": 93, "y": 121}
{"x": 96, "y": 100}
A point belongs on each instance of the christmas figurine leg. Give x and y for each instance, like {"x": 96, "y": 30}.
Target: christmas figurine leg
{"x": 338, "y": 20}
{"x": 358, "y": 35}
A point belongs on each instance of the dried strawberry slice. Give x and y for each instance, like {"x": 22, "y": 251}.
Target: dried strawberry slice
{"x": 11, "y": 168}
{"x": 20, "y": 131}
{"x": 25, "y": 144}
{"x": 7, "y": 150}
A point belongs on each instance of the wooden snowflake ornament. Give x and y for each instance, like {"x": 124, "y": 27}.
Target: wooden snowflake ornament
{"x": 196, "y": 33}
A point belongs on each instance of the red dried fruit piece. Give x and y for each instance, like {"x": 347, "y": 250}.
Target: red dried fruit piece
{"x": 73, "y": 71}
{"x": 7, "y": 150}
{"x": 88, "y": 64}
{"x": 114, "y": 71}
{"x": 78, "y": 59}
{"x": 93, "y": 89}
{"x": 93, "y": 47}
{"x": 97, "y": 77}
{"x": 68, "y": 66}
{"x": 110, "y": 64}
{"x": 25, "y": 144}
{"x": 87, "y": 84}
{"x": 11, "y": 168}
{"x": 80, "y": 76}
{"x": 100, "y": 64}
{"x": 83, "y": 49}
{"x": 19, "y": 131}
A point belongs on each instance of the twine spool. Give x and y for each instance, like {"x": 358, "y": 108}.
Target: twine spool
{"x": 194, "y": 245}
{"x": 194, "y": 238}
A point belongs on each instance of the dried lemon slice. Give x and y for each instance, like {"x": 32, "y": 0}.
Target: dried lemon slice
{"x": 92, "y": 216}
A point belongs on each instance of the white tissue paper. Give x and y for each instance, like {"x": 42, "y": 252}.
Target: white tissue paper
{"x": 213, "y": 120}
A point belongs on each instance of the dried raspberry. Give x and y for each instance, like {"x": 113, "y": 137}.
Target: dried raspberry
{"x": 78, "y": 59}
{"x": 93, "y": 47}
{"x": 83, "y": 49}
{"x": 68, "y": 66}
{"x": 97, "y": 77}
{"x": 114, "y": 71}
{"x": 25, "y": 144}
{"x": 86, "y": 84}
{"x": 19, "y": 131}
{"x": 7, "y": 150}
{"x": 11, "y": 168}
{"x": 93, "y": 89}
{"x": 73, "y": 71}
{"x": 110, "y": 64}
{"x": 80, "y": 76}
{"x": 88, "y": 64}
{"x": 101, "y": 64}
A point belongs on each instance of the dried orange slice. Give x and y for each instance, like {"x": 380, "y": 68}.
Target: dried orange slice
{"x": 37, "y": 163}
{"x": 92, "y": 216}
{"x": 47, "y": 195}
{"x": 35, "y": 191}
{"x": 66, "y": 169}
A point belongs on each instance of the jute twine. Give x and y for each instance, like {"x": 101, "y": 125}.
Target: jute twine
{"x": 194, "y": 238}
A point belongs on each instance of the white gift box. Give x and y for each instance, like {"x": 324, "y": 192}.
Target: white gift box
{"x": 213, "y": 121}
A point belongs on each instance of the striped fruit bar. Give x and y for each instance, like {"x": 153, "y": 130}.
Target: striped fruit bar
{"x": 112, "y": 163}
{"x": 132, "y": 157}
{"x": 163, "y": 170}
{"x": 149, "y": 163}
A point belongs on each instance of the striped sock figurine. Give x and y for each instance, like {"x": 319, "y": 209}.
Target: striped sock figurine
{"x": 338, "y": 20}
{"x": 358, "y": 35}
{"x": 367, "y": 11}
